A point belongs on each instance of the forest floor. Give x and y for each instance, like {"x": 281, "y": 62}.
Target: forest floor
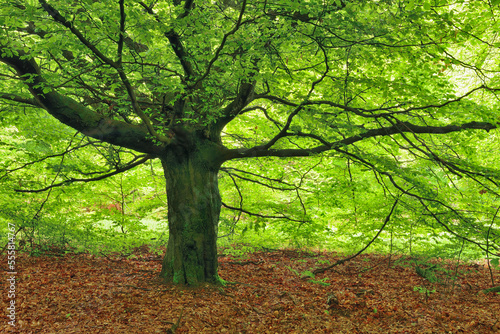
{"x": 369, "y": 294}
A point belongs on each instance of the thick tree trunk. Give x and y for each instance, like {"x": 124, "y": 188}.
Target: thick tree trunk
{"x": 194, "y": 207}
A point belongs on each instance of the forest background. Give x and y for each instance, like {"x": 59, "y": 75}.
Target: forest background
{"x": 252, "y": 149}
{"x": 338, "y": 122}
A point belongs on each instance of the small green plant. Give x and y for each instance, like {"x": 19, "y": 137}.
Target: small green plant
{"x": 423, "y": 290}
{"x": 240, "y": 251}
{"x": 293, "y": 270}
{"x": 324, "y": 262}
{"x": 427, "y": 273}
{"x": 221, "y": 281}
{"x": 321, "y": 281}
{"x": 308, "y": 273}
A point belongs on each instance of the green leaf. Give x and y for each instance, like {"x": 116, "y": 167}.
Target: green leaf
{"x": 411, "y": 5}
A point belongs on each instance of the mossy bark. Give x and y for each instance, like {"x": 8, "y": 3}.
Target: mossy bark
{"x": 194, "y": 207}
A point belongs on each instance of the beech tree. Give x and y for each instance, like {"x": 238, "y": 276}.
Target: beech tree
{"x": 181, "y": 81}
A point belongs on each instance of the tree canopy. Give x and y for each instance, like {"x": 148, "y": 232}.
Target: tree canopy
{"x": 406, "y": 91}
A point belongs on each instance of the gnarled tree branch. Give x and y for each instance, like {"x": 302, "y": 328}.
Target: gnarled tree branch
{"x": 73, "y": 113}
{"x": 401, "y": 127}
{"x": 98, "y": 178}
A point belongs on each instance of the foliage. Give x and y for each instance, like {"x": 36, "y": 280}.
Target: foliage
{"x": 316, "y": 115}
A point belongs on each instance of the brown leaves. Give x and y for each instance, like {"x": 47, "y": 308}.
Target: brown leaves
{"x": 87, "y": 294}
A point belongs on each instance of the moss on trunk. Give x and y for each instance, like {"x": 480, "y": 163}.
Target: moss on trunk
{"x": 194, "y": 207}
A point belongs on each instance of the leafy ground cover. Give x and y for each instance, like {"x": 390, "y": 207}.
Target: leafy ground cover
{"x": 270, "y": 292}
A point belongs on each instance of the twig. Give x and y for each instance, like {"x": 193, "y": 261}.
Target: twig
{"x": 174, "y": 327}
{"x": 98, "y": 178}
{"x": 135, "y": 287}
{"x": 494, "y": 289}
{"x": 322, "y": 270}
{"x": 110, "y": 259}
{"x": 242, "y": 263}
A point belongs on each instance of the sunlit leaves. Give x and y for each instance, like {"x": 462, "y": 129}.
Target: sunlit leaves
{"x": 340, "y": 68}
